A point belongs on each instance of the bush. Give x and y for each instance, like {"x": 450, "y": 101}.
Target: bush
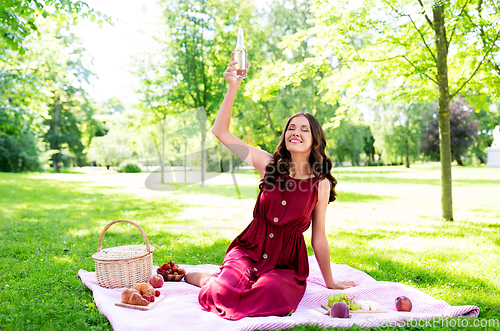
{"x": 374, "y": 163}
{"x": 19, "y": 153}
{"x": 129, "y": 167}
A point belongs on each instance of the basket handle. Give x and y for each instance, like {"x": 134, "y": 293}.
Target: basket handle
{"x": 124, "y": 221}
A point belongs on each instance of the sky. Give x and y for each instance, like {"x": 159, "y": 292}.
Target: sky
{"x": 112, "y": 46}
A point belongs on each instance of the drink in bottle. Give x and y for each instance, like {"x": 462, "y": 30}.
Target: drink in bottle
{"x": 240, "y": 55}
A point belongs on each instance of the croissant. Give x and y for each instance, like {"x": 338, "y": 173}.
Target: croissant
{"x": 145, "y": 289}
{"x": 134, "y": 297}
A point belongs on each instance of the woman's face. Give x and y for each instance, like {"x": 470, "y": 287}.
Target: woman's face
{"x": 298, "y": 136}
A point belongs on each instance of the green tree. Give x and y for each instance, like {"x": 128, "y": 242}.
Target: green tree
{"x": 262, "y": 114}
{"x": 18, "y": 18}
{"x": 462, "y": 135}
{"x": 369, "y": 143}
{"x": 397, "y": 130}
{"x": 347, "y": 141}
{"x": 401, "y": 50}
{"x": 111, "y": 149}
{"x": 43, "y": 84}
{"x": 194, "y": 49}
{"x": 18, "y": 134}
{"x": 487, "y": 115}
{"x": 63, "y": 70}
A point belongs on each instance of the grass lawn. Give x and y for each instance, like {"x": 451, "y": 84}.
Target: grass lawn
{"x": 386, "y": 222}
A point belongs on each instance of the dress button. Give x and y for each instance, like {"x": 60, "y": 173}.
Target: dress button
{"x": 255, "y": 269}
{"x": 275, "y": 220}
{"x": 248, "y": 270}
{"x": 290, "y": 185}
{"x": 264, "y": 256}
{"x": 283, "y": 202}
{"x": 271, "y": 235}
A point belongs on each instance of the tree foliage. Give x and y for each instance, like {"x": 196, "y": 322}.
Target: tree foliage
{"x": 19, "y": 19}
{"x": 348, "y": 141}
{"x": 111, "y": 149}
{"x": 464, "y": 131}
{"x": 43, "y": 98}
{"x": 397, "y": 129}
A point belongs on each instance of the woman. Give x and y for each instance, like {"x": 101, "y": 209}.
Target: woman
{"x": 265, "y": 268}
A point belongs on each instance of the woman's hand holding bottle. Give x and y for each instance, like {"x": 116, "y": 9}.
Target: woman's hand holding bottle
{"x": 230, "y": 73}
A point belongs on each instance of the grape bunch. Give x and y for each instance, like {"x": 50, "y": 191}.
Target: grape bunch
{"x": 342, "y": 297}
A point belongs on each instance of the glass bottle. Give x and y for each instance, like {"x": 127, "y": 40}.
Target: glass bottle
{"x": 240, "y": 55}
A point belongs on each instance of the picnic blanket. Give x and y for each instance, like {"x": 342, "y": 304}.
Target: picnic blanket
{"x": 180, "y": 306}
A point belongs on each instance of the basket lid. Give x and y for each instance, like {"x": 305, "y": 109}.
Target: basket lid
{"x": 121, "y": 253}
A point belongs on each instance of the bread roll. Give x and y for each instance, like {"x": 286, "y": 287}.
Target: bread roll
{"x": 145, "y": 289}
{"x": 134, "y": 297}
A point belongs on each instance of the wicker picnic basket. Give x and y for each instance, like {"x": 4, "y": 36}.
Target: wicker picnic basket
{"x": 123, "y": 266}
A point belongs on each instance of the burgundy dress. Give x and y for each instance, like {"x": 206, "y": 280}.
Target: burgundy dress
{"x": 265, "y": 268}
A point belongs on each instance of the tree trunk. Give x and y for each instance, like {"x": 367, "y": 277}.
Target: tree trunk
{"x": 162, "y": 159}
{"x": 444, "y": 110}
{"x": 221, "y": 160}
{"x": 203, "y": 127}
{"x": 269, "y": 121}
{"x": 407, "y": 156}
{"x": 203, "y": 157}
{"x": 185, "y": 152}
{"x": 57, "y": 110}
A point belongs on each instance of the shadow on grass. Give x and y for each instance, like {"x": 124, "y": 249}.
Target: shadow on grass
{"x": 228, "y": 191}
{"x": 380, "y": 179}
{"x": 362, "y": 198}
{"x": 251, "y": 192}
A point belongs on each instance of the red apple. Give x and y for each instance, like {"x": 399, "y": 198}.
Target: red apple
{"x": 340, "y": 310}
{"x": 403, "y": 304}
{"x": 156, "y": 281}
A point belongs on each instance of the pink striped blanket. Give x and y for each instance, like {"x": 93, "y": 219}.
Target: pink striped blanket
{"x": 180, "y": 306}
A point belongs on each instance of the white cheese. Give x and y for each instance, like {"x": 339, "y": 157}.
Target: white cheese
{"x": 369, "y": 305}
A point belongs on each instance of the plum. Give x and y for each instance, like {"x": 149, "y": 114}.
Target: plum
{"x": 340, "y": 310}
{"x": 403, "y": 304}
{"x": 156, "y": 281}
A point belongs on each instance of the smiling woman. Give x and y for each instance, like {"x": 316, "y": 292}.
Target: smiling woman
{"x": 265, "y": 268}
{"x": 303, "y": 137}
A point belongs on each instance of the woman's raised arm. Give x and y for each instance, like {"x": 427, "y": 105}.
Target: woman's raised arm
{"x": 254, "y": 156}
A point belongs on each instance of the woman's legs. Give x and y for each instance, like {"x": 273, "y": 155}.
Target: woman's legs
{"x": 235, "y": 293}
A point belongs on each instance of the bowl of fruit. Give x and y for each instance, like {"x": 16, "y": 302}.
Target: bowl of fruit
{"x": 171, "y": 271}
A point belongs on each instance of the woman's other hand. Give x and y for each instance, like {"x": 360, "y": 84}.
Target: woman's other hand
{"x": 344, "y": 285}
{"x": 230, "y": 73}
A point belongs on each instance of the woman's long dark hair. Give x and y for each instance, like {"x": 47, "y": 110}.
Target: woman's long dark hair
{"x": 278, "y": 170}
